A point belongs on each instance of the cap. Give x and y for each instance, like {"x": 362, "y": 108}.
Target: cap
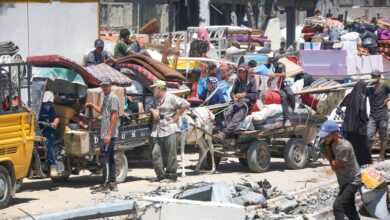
{"x": 327, "y": 128}
{"x": 376, "y": 73}
{"x": 212, "y": 66}
{"x": 99, "y": 43}
{"x": 160, "y": 84}
{"x": 243, "y": 66}
{"x": 106, "y": 81}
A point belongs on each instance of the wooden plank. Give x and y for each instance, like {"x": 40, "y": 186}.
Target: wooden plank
{"x": 167, "y": 44}
{"x": 177, "y": 51}
{"x": 329, "y": 88}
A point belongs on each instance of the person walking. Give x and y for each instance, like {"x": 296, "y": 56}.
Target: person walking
{"x": 343, "y": 162}
{"x": 379, "y": 116}
{"x": 108, "y": 133}
{"x": 166, "y": 110}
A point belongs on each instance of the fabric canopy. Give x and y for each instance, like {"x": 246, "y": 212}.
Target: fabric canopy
{"x": 61, "y": 80}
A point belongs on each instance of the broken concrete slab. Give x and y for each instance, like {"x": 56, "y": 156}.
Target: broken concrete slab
{"x": 248, "y": 197}
{"x": 287, "y": 205}
{"x": 98, "y": 211}
{"x": 168, "y": 209}
{"x": 218, "y": 192}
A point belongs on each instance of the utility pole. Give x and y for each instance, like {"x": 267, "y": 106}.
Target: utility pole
{"x": 291, "y": 17}
{"x": 171, "y": 16}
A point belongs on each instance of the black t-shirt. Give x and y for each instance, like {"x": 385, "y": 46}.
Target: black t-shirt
{"x": 377, "y": 97}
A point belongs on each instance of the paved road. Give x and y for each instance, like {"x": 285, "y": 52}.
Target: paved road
{"x": 44, "y": 196}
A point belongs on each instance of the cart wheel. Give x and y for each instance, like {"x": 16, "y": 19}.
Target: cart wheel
{"x": 295, "y": 154}
{"x": 206, "y": 164}
{"x": 5, "y": 187}
{"x": 121, "y": 167}
{"x": 259, "y": 156}
{"x": 243, "y": 162}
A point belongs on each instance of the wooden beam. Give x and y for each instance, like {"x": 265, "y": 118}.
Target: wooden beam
{"x": 167, "y": 44}
{"x": 177, "y": 52}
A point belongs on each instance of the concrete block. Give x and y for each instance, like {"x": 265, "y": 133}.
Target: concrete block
{"x": 98, "y": 211}
{"x": 168, "y": 209}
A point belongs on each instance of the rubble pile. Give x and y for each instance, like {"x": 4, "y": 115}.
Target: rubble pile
{"x": 298, "y": 206}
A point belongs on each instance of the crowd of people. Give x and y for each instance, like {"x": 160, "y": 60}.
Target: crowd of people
{"x": 241, "y": 87}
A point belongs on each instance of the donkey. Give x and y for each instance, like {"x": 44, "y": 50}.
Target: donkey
{"x": 199, "y": 128}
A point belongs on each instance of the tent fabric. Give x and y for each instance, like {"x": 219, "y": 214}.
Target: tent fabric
{"x": 103, "y": 70}
{"x": 61, "y": 80}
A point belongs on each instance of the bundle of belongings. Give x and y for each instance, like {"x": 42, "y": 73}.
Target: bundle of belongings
{"x": 374, "y": 192}
{"x": 330, "y": 33}
{"x": 383, "y": 32}
{"x": 277, "y": 103}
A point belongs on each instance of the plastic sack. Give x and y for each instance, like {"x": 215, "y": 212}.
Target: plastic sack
{"x": 351, "y": 36}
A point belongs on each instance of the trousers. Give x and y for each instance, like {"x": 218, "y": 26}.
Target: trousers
{"x": 107, "y": 162}
{"x": 165, "y": 152}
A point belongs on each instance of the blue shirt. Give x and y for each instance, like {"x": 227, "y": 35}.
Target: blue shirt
{"x": 47, "y": 115}
{"x": 261, "y": 70}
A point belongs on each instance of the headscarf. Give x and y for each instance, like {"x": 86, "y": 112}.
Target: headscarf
{"x": 214, "y": 82}
{"x": 203, "y": 34}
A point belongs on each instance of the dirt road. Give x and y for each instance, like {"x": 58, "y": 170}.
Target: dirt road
{"x": 44, "y": 196}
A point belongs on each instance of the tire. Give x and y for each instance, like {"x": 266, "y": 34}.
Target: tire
{"x": 121, "y": 167}
{"x": 5, "y": 187}
{"x": 206, "y": 164}
{"x": 259, "y": 156}
{"x": 243, "y": 162}
{"x": 295, "y": 154}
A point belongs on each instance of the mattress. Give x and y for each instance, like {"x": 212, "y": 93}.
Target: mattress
{"x": 103, "y": 70}
{"x": 162, "y": 71}
{"x": 59, "y": 61}
{"x": 144, "y": 76}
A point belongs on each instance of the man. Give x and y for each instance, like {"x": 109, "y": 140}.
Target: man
{"x": 342, "y": 160}
{"x": 277, "y": 84}
{"x": 282, "y": 49}
{"x": 49, "y": 116}
{"x": 123, "y": 47}
{"x": 166, "y": 110}
{"x": 224, "y": 85}
{"x": 378, "y": 120}
{"x": 244, "y": 95}
{"x": 266, "y": 49}
{"x": 108, "y": 133}
{"x": 97, "y": 56}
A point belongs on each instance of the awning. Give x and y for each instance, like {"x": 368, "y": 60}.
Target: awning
{"x": 61, "y": 80}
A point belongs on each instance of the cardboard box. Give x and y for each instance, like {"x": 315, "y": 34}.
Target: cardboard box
{"x": 77, "y": 142}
